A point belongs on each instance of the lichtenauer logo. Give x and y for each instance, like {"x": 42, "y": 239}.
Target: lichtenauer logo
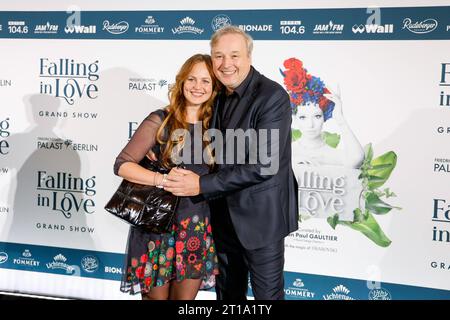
{"x": 68, "y": 79}
{"x": 59, "y": 262}
{"x": 187, "y": 26}
{"x": 340, "y": 292}
{"x": 420, "y": 27}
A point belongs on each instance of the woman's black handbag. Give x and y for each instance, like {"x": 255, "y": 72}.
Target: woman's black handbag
{"x": 144, "y": 206}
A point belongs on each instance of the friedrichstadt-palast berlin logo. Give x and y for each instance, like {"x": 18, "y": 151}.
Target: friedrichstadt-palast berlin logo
{"x": 26, "y": 260}
{"x": 340, "y": 292}
{"x": 46, "y": 28}
{"x": 442, "y": 164}
{"x": 149, "y": 27}
{"x": 145, "y": 84}
{"x": 220, "y": 21}
{"x": 420, "y": 27}
{"x": 115, "y": 28}
{"x": 66, "y": 194}
{"x": 373, "y": 28}
{"x": 298, "y": 290}
{"x": 4, "y": 135}
{"x": 59, "y": 262}
{"x": 64, "y": 144}
{"x": 89, "y": 263}
{"x": 187, "y": 26}
{"x": 68, "y": 79}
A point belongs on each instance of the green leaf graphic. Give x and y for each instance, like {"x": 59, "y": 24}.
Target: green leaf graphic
{"x": 370, "y": 228}
{"x": 377, "y": 206}
{"x": 331, "y": 139}
{"x": 296, "y": 134}
{"x": 381, "y": 169}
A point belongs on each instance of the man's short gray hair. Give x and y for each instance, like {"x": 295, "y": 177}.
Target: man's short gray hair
{"x": 232, "y": 30}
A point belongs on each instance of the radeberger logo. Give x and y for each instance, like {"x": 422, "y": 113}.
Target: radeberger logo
{"x": 68, "y": 79}
{"x": 66, "y": 194}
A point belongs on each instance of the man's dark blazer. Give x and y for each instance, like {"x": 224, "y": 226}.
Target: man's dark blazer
{"x": 263, "y": 208}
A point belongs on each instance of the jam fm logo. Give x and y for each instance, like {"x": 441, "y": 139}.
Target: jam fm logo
{"x": 4, "y": 134}
{"x": 66, "y": 194}
{"x": 68, "y": 79}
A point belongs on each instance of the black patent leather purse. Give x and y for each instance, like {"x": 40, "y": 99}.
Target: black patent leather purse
{"x": 145, "y": 206}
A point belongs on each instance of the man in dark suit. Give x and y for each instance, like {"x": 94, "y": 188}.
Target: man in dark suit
{"x": 254, "y": 204}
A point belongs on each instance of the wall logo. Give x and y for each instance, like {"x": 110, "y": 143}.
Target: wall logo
{"x": 373, "y": 28}
{"x": 116, "y": 28}
{"x": 89, "y": 264}
{"x": 444, "y": 99}
{"x": 187, "y": 26}
{"x": 65, "y": 193}
{"x": 420, "y": 27}
{"x": 59, "y": 262}
{"x": 3, "y": 257}
{"x": 379, "y": 294}
{"x": 26, "y": 260}
{"x": 68, "y": 79}
{"x": 149, "y": 85}
{"x": 17, "y": 27}
{"x": 330, "y": 28}
{"x": 4, "y": 135}
{"x": 292, "y": 27}
{"x": 62, "y": 145}
{"x": 81, "y": 29}
{"x": 220, "y": 21}
{"x": 46, "y": 28}
{"x": 441, "y": 218}
{"x": 150, "y": 27}
{"x": 256, "y": 27}
{"x": 340, "y": 292}
{"x": 298, "y": 290}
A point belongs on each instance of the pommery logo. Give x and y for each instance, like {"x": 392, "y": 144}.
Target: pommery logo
{"x": 340, "y": 292}
{"x": 298, "y": 290}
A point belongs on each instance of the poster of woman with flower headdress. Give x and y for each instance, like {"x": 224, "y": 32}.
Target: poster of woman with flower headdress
{"x": 332, "y": 168}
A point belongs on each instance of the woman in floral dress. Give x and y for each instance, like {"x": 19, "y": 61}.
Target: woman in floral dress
{"x": 173, "y": 265}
